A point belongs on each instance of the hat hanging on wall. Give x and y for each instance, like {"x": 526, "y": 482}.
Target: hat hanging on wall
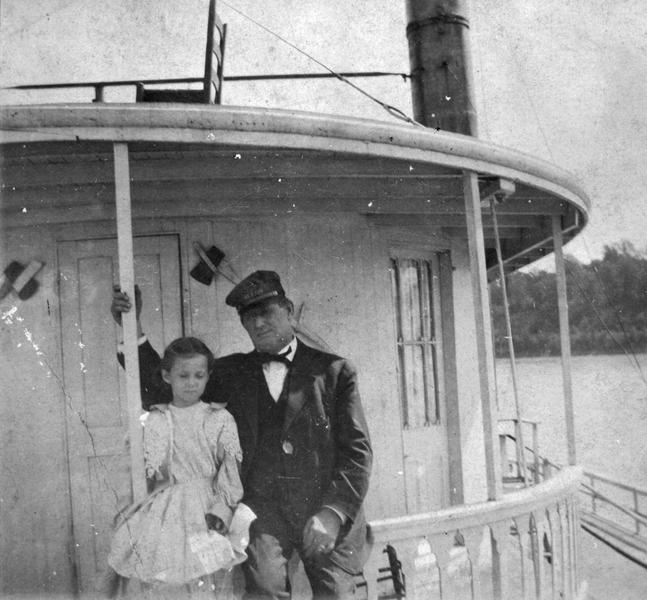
{"x": 211, "y": 262}
{"x": 205, "y": 270}
{"x": 20, "y": 279}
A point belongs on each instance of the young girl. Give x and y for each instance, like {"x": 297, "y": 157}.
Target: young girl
{"x": 183, "y": 532}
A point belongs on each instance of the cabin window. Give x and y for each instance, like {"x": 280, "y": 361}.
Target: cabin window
{"x": 416, "y": 298}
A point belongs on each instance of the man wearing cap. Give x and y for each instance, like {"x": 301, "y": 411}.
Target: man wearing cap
{"x": 306, "y": 449}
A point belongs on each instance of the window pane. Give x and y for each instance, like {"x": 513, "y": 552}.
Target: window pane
{"x": 415, "y": 386}
{"x": 413, "y": 298}
{"x": 410, "y": 294}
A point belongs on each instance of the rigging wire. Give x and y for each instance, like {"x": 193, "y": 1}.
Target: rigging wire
{"x": 607, "y": 328}
{"x": 513, "y": 363}
{"x": 47, "y": 15}
{"x": 467, "y": 96}
{"x": 580, "y": 287}
{"x": 483, "y": 119}
{"x": 630, "y": 352}
{"x": 392, "y": 110}
{"x": 616, "y": 313}
{"x": 525, "y": 86}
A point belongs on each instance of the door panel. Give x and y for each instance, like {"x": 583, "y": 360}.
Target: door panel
{"x": 418, "y": 312}
{"x": 96, "y": 412}
{"x": 425, "y": 469}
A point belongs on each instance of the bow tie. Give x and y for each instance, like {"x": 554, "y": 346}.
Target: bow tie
{"x": 266, "y": 357}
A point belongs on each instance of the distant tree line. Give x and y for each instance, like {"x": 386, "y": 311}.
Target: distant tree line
{"x": 607, "y": 301}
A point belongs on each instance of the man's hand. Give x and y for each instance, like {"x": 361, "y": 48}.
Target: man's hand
{"x": 320, "y": 533}
{"x": 121, "y": 304}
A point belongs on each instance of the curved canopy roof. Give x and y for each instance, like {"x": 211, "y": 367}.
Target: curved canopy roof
{"x": 248, "y": 159}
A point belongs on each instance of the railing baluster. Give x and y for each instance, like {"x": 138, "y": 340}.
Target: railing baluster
{"x": 568, "y": 555}
{"x": 416, "y": 564}
{"x": 503, "y": 453}
{"x": 499, "y": 536}
{"x": 570, "y": 549}
{"x": 535, "y": 452}
{"x": 473, "y": 538}
{"x": 575, "y": 523}
{"x": 521, "y": 462}
{"x": 443, "y": 546}
{"x": 525, "y": 542}
{"x": 536, "y": 554}
{"x": 568, "y": 513}
{"x": 371, "y": 572}
{"x": 438, "y": 562}
{"x": 550, "y": 530}
{"x": 99, "y": 93}
{"x": 563, "y": 551}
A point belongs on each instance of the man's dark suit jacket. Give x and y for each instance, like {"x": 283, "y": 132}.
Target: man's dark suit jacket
{"x": 324, "y": 425}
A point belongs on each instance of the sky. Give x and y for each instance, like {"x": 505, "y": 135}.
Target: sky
{"x": 563, "y": 80}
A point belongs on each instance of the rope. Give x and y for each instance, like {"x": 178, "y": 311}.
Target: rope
{"x": 513, "y": 367}
{"x": 392, "y": 110}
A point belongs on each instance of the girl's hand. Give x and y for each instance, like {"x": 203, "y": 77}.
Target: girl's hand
{"x": 215, "y": 523}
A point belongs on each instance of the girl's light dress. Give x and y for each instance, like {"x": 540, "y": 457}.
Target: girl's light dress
{"x": 193, "y": 455}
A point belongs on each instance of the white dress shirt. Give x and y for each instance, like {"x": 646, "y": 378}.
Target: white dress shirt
{"x": 276, "y": 371}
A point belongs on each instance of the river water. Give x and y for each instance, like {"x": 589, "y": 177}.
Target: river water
{"x": 610, "y": 404}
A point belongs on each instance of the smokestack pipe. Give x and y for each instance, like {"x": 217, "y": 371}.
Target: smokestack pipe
{"x": 441, "y": 86}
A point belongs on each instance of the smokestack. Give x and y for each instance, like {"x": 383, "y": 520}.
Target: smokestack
{"x": 441, "y": 86}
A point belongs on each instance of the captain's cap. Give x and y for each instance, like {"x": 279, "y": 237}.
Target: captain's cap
{"x": 255, "y": 288}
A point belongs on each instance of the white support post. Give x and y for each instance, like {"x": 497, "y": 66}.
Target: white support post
{"x": 129, "y": 320}
{"x": 483, "y": 333}
{"x": 564, "y": 336}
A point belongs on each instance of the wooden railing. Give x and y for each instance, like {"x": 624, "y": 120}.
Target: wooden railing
{"x": 610, "y": 510}
{"x": 526, "y": 462}
{"x": 614, "y": 512}
{"x": 611, "y": 499}
{"x": 522, "y": 546}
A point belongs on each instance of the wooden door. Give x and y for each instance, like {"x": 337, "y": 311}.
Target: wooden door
{"x": 416, "y": 297}
{"x": 94, "y": 383}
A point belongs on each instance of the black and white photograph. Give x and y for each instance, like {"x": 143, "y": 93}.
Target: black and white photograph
{"x": 323, "y": 299}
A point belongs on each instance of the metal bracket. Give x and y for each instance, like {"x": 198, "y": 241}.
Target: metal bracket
{"x": 497, "y": 190}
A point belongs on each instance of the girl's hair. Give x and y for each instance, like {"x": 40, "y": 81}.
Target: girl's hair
{"x": 184, "y": 347}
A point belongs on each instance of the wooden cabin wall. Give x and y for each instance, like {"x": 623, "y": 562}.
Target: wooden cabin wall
{"x": 334, "y": 268}
{"x": 35, "y": 514}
